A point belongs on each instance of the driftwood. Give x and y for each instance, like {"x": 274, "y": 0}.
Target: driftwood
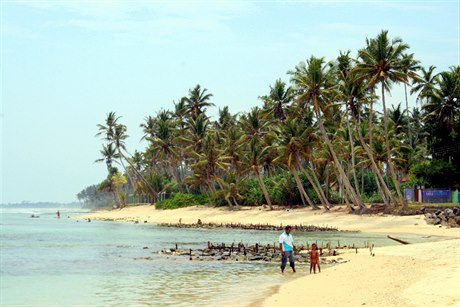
{"x": 397, "y": 240}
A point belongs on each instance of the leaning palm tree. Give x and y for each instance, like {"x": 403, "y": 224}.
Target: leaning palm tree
{"x": 107, "y": 130}
{"x": 290, "y": 149}
{"x": 380, "y": 63}
{"x": 109, "y": 156}
{"x": 316, "y": 85}
{"x": 252, "y": 159}
{"x": 356, "y": 97}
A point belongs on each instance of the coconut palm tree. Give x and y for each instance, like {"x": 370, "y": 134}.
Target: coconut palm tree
{"x": 316, "y": 85}
{"x": 276, "y": 101}
{"x": 197, "y": 101}
{"x": 290, "y": 148}
{"x": 426, "y": 84}
{"x": 444, "y": 103}
{"x": 108, "y": 130}
{"x": 110, "y": 156}
{"x": 380, "y": 63}
{"x": 252, "y": 160}
{"x": 410, "y": 66}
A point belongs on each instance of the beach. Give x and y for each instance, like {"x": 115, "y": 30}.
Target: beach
{"x": 425, "y": 274}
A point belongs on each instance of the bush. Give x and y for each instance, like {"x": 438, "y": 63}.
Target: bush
{"x": 182, "y": 200}
{"x": 251, "y": 191}
{"x": 374, "y": 198}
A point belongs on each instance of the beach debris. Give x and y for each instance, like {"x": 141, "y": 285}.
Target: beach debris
{"x": 302, "y": 228}
{"x": 252, "y": 253}
{"x": 397, "y": 240}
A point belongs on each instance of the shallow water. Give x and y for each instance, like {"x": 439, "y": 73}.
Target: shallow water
{"x": 59, "y": 262}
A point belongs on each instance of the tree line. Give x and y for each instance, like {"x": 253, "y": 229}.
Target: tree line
{"x": 316, "y": 141}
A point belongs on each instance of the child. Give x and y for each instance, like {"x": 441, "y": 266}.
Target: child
{"x": 314, "y": 258}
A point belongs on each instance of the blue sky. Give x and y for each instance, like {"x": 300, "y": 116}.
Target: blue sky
{"x": 66, "y": 64}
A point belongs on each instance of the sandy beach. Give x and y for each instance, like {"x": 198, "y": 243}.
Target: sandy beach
{"x": 425, "y": 274}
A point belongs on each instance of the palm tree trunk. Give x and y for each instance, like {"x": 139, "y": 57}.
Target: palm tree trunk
{"x": 317, "y": 187}
{"x": 315, "y": 178}
{"x": 407, "y": 114}
{"x": 371, "y": 113}
{"x": 137, "y": 172}
{"x": 301, "y": 189}
{"x": 226, "y": 198}
{"x": 373, "y": 164}
{"x": 344, "y": 194}
{"x": 356, "y": 199}
{"x": 387, "y": 144}
{"x": 264, "y": 189}
{"x": 352, "y": 147}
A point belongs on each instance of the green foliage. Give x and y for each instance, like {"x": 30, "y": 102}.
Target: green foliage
{"x": 434, "y": 174}
{"x": 252, "y": 193}
{"x": 373, "y": 198}
{"x": 182, "y": 200}
{"x": 218, "y": 199}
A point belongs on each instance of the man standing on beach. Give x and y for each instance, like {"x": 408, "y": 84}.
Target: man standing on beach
{"x": 287, "y": 248}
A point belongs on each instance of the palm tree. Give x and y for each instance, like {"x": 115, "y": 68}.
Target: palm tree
{"x": 444, "y": 102}
{"x": 426, "y": 84}
{"x": 278, "y": 98}
{"x": 399, "y": 119}
{"x": 381, "y": 64}
{"x": 410, "y": 66}
{"x": 252, "y": 159}
{"x": 290, "y": 148}
{"x": 110, "y": 155}
{"x": 316, "y": 85}
{"x": 108, "y": 130}
{"x": 197, "y": 101}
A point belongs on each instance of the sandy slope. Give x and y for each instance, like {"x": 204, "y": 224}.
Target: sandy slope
{"x": 426, "y": 274}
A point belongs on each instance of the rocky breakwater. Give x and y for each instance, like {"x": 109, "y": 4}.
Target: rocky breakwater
{"x": 446, "y": 217}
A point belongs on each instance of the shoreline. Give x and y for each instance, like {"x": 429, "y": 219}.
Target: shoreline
{"x": 387, "y": 224}
{"x": 405, "y": 275}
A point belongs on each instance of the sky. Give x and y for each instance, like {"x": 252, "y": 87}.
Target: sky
{"x": 66, "y": 64}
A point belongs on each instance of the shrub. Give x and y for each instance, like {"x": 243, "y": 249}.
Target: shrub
{"x": 373, "y": 198}
{"x": 181, "y": 200}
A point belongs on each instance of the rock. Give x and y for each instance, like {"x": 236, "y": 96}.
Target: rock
{"x": 452, "y": 223}
{"x": 256, "y": 258}
{"x": 145, "y": 247}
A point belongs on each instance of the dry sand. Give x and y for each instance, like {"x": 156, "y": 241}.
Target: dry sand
{"x": 425, "y": 274}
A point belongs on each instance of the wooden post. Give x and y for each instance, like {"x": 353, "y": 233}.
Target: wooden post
{"x": 190, "y": 254}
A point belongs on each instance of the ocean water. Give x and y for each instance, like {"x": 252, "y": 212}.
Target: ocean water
{"x": 47, "y": 261}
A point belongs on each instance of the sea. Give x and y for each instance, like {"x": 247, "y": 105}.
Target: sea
{"x": 46, "y": 261}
